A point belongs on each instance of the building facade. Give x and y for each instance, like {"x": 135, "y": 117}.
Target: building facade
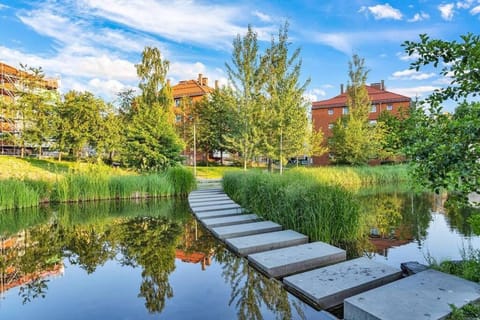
{"x": 325, "y": 113}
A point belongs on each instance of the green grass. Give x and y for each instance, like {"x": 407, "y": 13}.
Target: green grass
{"x": 85, "y": 182}
{"x": 213, "y": 172}
{"x": 298, "y": 201}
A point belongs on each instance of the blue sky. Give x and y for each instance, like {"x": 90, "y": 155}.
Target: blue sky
{"x": 94, "y": 44}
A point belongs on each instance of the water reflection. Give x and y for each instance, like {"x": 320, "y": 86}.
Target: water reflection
{"x": 151, "y": 237}
{"x": 396, "y": 219}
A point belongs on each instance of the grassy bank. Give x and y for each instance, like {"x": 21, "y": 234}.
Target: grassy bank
{"x": 58, "y": 182}
{"x": 298, "y": 201}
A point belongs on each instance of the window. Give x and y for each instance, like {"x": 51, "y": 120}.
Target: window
{"x": 330, "y": 126}
{"x": 372, "y": 122}
{"x": 177, "y": 102}
{"x": 330, "y": 112}
{"x": 178, "y": 118}
{"x": 373, "y": 108}
{"x": 389, "y": 107}
{"x": 345, "y": 110}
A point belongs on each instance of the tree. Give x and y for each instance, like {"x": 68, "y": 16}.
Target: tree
{"x": 152, "y": 143}
{"x": 215, "y": 122}
{"x": 35, "y": 108}
{"x": 286, "y": 121}
{"x": 80, "y": 122}
{"x": 245, "y": 74}
{"x": 354, "y": 140}
{"x": 446, "y": 147}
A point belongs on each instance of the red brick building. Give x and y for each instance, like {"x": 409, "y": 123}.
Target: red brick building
{"x": 326, "y": 112}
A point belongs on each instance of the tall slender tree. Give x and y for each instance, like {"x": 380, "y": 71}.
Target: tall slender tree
{"x": 245, "y": 74}
{"x": 354, "y": 140}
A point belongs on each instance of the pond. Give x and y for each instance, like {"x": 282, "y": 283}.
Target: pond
{"x": 150, "y": 259}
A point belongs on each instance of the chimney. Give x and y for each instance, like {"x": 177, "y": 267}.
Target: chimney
{"x": 205, "y": 81}
{"x": 216, "y": 84}
{"x": 383, "y": 85}
{"x": 341, "y": 88}
{"x": 200, "y": 78}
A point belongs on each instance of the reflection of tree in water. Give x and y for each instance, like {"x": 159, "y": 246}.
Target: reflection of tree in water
{"x": 88, "y": 238}
{"x": 459, "y": 214}
{"x": 397, "y": 216}
{"x": 251, "y": 290}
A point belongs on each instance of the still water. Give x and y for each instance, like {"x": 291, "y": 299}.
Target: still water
{"x": 151, "y": 260}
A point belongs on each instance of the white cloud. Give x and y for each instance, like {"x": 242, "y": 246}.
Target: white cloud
{"x": 3, "y": 6}
{"x": 464, "y": 4}
{"x": 475, "y": 10}
{"x": 405, "y": 57}
{"x": 210, "y": 25}
{"x": 410, "y": 74}
{"x": 262, "y": 16}
{"x": 412, "y": 92}
{"x": 384, "y": 11}
{"x": 419, "y": 17}
{"x": 338, "y": 41}
{"x": 446, "y": 11}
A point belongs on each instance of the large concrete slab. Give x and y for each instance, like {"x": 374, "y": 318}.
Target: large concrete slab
{"x": 218, "y": 213}
{"x": 245, "y": 229}
{"x": 329, "y": 286}
{"x": 207, "y": 199}
{"x": 296, "y": 259}
{"x": 266, "y": 241}
{"x": 211, "y": 203}
{"x": 214, "y": 207}
{"x": 206, "y": 196}
{"x": 425, "y": 295}
{"x": 231, "y": 220}
{"x": 210, "y": 190}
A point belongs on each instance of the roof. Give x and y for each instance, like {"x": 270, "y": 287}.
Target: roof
{"x": 376, "y": 96}
{"x": 190, "y": 88}
{"x": 6, "y": 69}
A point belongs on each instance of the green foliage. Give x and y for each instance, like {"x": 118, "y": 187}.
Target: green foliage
{"x": 298, "y": 201}
{"x": 468, "y": 268}
{"x": 459, "y": 60}
{"x": 354, "y": 140}
{"x": 17, "y": 194}
{"x": 181, "y": 179}
{"x": 468, "y": 312}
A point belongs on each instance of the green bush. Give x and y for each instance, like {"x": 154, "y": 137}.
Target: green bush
{"x": 298, "y": 201}
{"x": 17, "y": 194}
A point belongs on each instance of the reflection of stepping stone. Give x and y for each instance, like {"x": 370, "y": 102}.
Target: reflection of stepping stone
{"x": 286, "y": 261}
{"x": 232, "y": 220}
{"x": 329, "y": 286}
{"x": 266, "y": 241}
{"x": 245, "y": 229}
{"x": 425, "y": 295}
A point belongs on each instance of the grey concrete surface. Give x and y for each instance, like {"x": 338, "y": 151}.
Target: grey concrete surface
{"x": 296, "y": 259}
{"x": 245, "y": 229}
{"x": 231, "y": 220}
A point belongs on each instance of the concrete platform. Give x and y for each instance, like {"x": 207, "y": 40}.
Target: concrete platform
{"x": 245, "y": 229}
{"x": 211, "y": 203}
{"x": 206, "y": 196}
{"x": 231, "y": 220}
{"x": 205, "y": 191}
{"x": 287, "y": 261}
{"x": 266, "y": 241}
{"x": 329, "y": 286}
{"x": 213, "y": 207}
{"x": 425, "y": 295}
{"x": 218, "y": 213}
{"x": 207, "y": 199}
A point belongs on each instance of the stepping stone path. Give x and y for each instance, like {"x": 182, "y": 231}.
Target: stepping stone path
{"x": 318, "y": 273}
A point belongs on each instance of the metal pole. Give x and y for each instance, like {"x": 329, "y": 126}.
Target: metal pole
{"x": 194, "y": 150}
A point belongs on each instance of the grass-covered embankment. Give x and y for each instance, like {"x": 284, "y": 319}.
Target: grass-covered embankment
{"x": 86, "y": 183}
{"x": 298, "y": 201}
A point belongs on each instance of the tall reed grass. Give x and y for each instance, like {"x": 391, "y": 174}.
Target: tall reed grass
{"x": 92, "y": 185}
{"x": 298, "y": 201}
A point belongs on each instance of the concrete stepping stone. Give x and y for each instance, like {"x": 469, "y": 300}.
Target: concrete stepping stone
{"x": 245, "y": 229}
{"x": 206, "y": 194}
{"x": 211, "y": 203}
{"x": 218, "y": 213}
{"x": 329, "y": 286}
{"x": 425, "y": 295}
{"x": 213, "y": 207}
{"x": 231, "y": 220}
{"x": 266, "y": 241}
{"x": 290, "y": 260}
{"x": 207, "y": 199}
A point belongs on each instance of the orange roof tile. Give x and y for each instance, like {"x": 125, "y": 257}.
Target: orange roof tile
{"x": 376, "y": 96}
{"x": 190, "y": 88}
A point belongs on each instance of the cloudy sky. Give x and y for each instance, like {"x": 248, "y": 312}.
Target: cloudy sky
{"x": 93, "y": 44}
